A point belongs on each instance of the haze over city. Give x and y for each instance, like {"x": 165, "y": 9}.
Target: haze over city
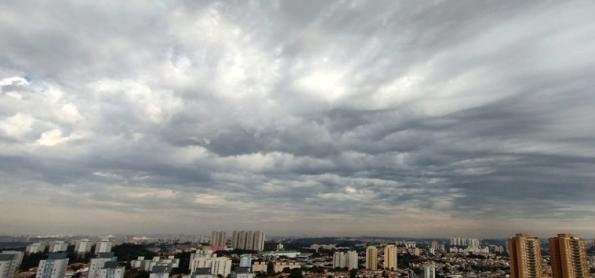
{"x": 298, "y": 118}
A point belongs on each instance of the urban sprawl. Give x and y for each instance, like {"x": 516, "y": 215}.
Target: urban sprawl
{"x": 249, "y": 254}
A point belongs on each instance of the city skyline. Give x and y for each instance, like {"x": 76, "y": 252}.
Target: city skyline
{"x": 298, "y": 118}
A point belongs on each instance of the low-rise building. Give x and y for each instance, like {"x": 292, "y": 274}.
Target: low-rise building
{"x": 260, "y": 266}
{"x": 202, "y": 272}
{"x": 148, "y": 264}
{"x": 242, "y": 272}
{"x": 279, "y": 266}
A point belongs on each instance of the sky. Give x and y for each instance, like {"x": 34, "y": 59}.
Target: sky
{"x": 335, "y": 118}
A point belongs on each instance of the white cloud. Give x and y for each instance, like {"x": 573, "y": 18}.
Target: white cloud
{"x": 264, "y": 113}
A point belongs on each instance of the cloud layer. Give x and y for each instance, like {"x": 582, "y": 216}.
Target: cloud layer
{"x": 297, "y": 117}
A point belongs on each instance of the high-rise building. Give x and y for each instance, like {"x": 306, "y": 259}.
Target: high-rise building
{"x": 235, "y": 239}
{"x": 371, "y": 258}
{"x": 111, "y": 270}
{"x": 160, "y": 271}
{"x": 434, "y": 245}
{"x": 83, "y": 246}
{"x": 390, "y": 257}
{"x": 525, "y": 256}
{"x": 36, "y": 247}
{"x": 96, "y": 264}
{"x": 568, "y": 257}
{"x": 241, "y": 240}
{"x": 429, "y": 270}
{"x": 352, "y": 260}
{"x": 258, "y": 242}
{"x": 103, "y": 246}
{"x": 248, "y": 240}
{"x": 339, "y": 260}
{"x": 15, "y": 258}
{"x": 52, "y": 267}
{"x": 218, "y": 265}
{"x": 58, "y": 246}
{"x": 217, "y": 240}
{"x": 347, "y": 260}
{"x": 7, "y": 262}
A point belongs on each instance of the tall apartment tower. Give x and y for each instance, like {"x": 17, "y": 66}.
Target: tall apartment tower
{"x": 568, "y": 257}
{"x": 390, "y": 257}
{"x": 258, "y": 243}
{"x": 352, "y": 260}
{"x": 83, "y": 246}
{"x": 7, "y": 262}
{"x": 371, "y": 258}
{"x": 103, "y": 246}
{"x": 238, "y": 240}
{"x": 96, "y": 264}
{"x": 12, "y": 260}
{"x": 430, "y": 270}
{"x": 36, "y": 247}
{"x": 217, "y": 240}
{"x": 248, "y": 240}
{"x": 111, "y": 270}
{"x": 58, "y": 246}
{"x": 525, "y": 256}
{"x": 53, "y": 267}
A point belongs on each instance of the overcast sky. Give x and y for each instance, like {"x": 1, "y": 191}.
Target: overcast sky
{"x": 398, "y": 118}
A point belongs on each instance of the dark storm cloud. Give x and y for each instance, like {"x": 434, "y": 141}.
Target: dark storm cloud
{"x": 171, "y": 116}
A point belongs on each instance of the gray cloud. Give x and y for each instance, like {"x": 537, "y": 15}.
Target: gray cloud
{"x": 341, "y": 117}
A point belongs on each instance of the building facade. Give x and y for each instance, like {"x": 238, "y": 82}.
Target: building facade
{"x": 429, "y": 271}
{"x": 103, "y": 246}
{"x": 52, "y": 267}
{"x": 372, "y": 258}
{"x": 15, "y": 258}
{"x": 36, "y": 247}
{"x": 246, "y": 261}
{"x": 525, "y": 256}
{"x": 218, "y": 265}
{"x": 83, "y": 246}
{"x": 390, "y": 257}
{"x": 58, "y": 246}
{"x": 217, "y": 240}
{"x": 568, "y": 257}
{"x": 111, "y": 270}
{"x": 96, "y": 264}
{"x": 260, "y": 266}
{"x": 6, "y": 262}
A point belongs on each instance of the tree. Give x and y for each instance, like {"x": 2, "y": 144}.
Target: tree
{"x": 295, "y": 273}
{"x": 32, "y": 260}
{"x": 128, "y": 251}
